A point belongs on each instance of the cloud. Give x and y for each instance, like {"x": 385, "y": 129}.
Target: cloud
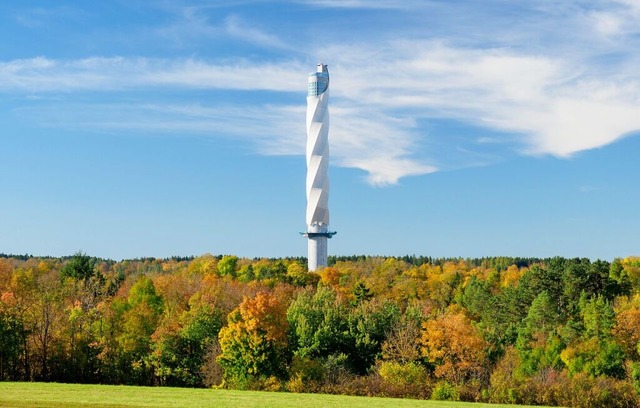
{"x": 558, "y": 107}
{"x": 41, "y": 74}
{"x": 576, "y": 87}
{"x": 620, "y": 18}
{"x": 362, "y": 4}
{"x": 188, "y": 23}
{"x": 357, "y": 140}
{"x": 586, "y": 189}
{"x": 192, "y": 24}
{"x": 258, "y": 123}
{"x": 236, "y": 27}
{"x": 376, "y": 142}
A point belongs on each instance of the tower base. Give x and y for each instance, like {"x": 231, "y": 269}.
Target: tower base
{"x": 317, "y": 246}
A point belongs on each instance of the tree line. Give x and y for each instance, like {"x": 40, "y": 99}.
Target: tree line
{"x": 511, "y": 330}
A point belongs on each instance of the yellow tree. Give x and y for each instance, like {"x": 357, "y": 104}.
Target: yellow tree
{"x": 454, "y": 346}
{"x": 203, "y": 265}
{"x": 626, "y": 331}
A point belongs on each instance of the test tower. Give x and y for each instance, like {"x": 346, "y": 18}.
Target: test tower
{"x": 317, "y": 165}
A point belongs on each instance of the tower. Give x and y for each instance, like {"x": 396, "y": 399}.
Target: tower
{"x": 317, "y": 165}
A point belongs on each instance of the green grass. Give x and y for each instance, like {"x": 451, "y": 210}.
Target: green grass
{"x": 50, "y": 395}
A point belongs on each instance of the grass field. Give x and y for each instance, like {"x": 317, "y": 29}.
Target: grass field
{"x": 49, "y": 395}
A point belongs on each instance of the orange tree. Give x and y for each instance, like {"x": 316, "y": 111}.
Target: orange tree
{"x": 454, "y": 346}
{"x": 254, "y": 343}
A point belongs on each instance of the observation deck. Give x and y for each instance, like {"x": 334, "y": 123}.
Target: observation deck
{"x": 327, "y": 234}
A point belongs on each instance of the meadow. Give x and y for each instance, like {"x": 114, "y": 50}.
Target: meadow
{"x": 54, "y": 395}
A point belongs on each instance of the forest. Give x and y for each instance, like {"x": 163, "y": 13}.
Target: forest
{"x": 550, "y": 331}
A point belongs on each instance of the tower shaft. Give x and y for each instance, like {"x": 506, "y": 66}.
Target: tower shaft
{"x": 317, "y": 166}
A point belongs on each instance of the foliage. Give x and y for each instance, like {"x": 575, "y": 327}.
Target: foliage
{"x": 227, "y": 265}
{"x": 445, "y": 391}
{"x": 551, "y": 331}
{"x": 254, "y": 342}
{"x": 453, "y": 345}
{"x": 79, "y": 267}
{"x": 318, "y": 323}
{"x": 400, "y": 374}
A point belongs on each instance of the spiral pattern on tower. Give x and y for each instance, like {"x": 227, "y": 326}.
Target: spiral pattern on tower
{"x": 318, "y": 148}
{"x": 317, "y": 166}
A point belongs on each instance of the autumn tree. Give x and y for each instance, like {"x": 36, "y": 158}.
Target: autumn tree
{"x": 40, "y": 295}
{"x": 254, "y": 343}
{"x": 203, "y": 265}
{"x": 625, "y": 330}
{"x": 227, "y": 265}
{"x": 298, "y": 275}
{"x": 402, "y": 343}
{"x": 454, "y": 346}
{"x": 631, "y": 268}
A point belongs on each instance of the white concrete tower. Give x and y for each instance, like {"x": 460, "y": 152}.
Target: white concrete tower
{"x": 317, "y": 164}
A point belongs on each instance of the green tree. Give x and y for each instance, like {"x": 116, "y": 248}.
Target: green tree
{"x": 619, "y": 275}
{"x": 227, "y": 265}
{"x": 595, "y": 358}
{"x": 599, "y": 317}
{"x": 369, "y": 324}
{"x": 318, "y": 324}
{"x": 79, "y": 267}
{"x": 179, "y": 352}
{"x": 542, "y": 318}
{"x": 298, "y": 275}
{"x": 538, "y": 344}
{"x": 361, "y": 293}
{"x": 12, "y": 336}
{"x": 140, "y": 316}
{"x": 476, "y": 297}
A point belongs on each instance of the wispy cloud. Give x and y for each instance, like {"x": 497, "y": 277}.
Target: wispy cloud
{"x": 577, "y": 93}
{"x": 277, "y": 130}
{"x": 197, "y": 23}
{"x": 620, "y": 18}
{"x": 374, "y": 141}
{"x": 41, "y": 74}
{"x": 586, "y": 189}
{"x": 357, "y": 139}
{"x": 188, "y": 23}
{"x": 557, "y": 107}
{"x": 363, "y": 4}
{"x": 237, "y": 27}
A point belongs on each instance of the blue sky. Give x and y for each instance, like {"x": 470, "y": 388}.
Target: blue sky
{"x": 458, "y": 128}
